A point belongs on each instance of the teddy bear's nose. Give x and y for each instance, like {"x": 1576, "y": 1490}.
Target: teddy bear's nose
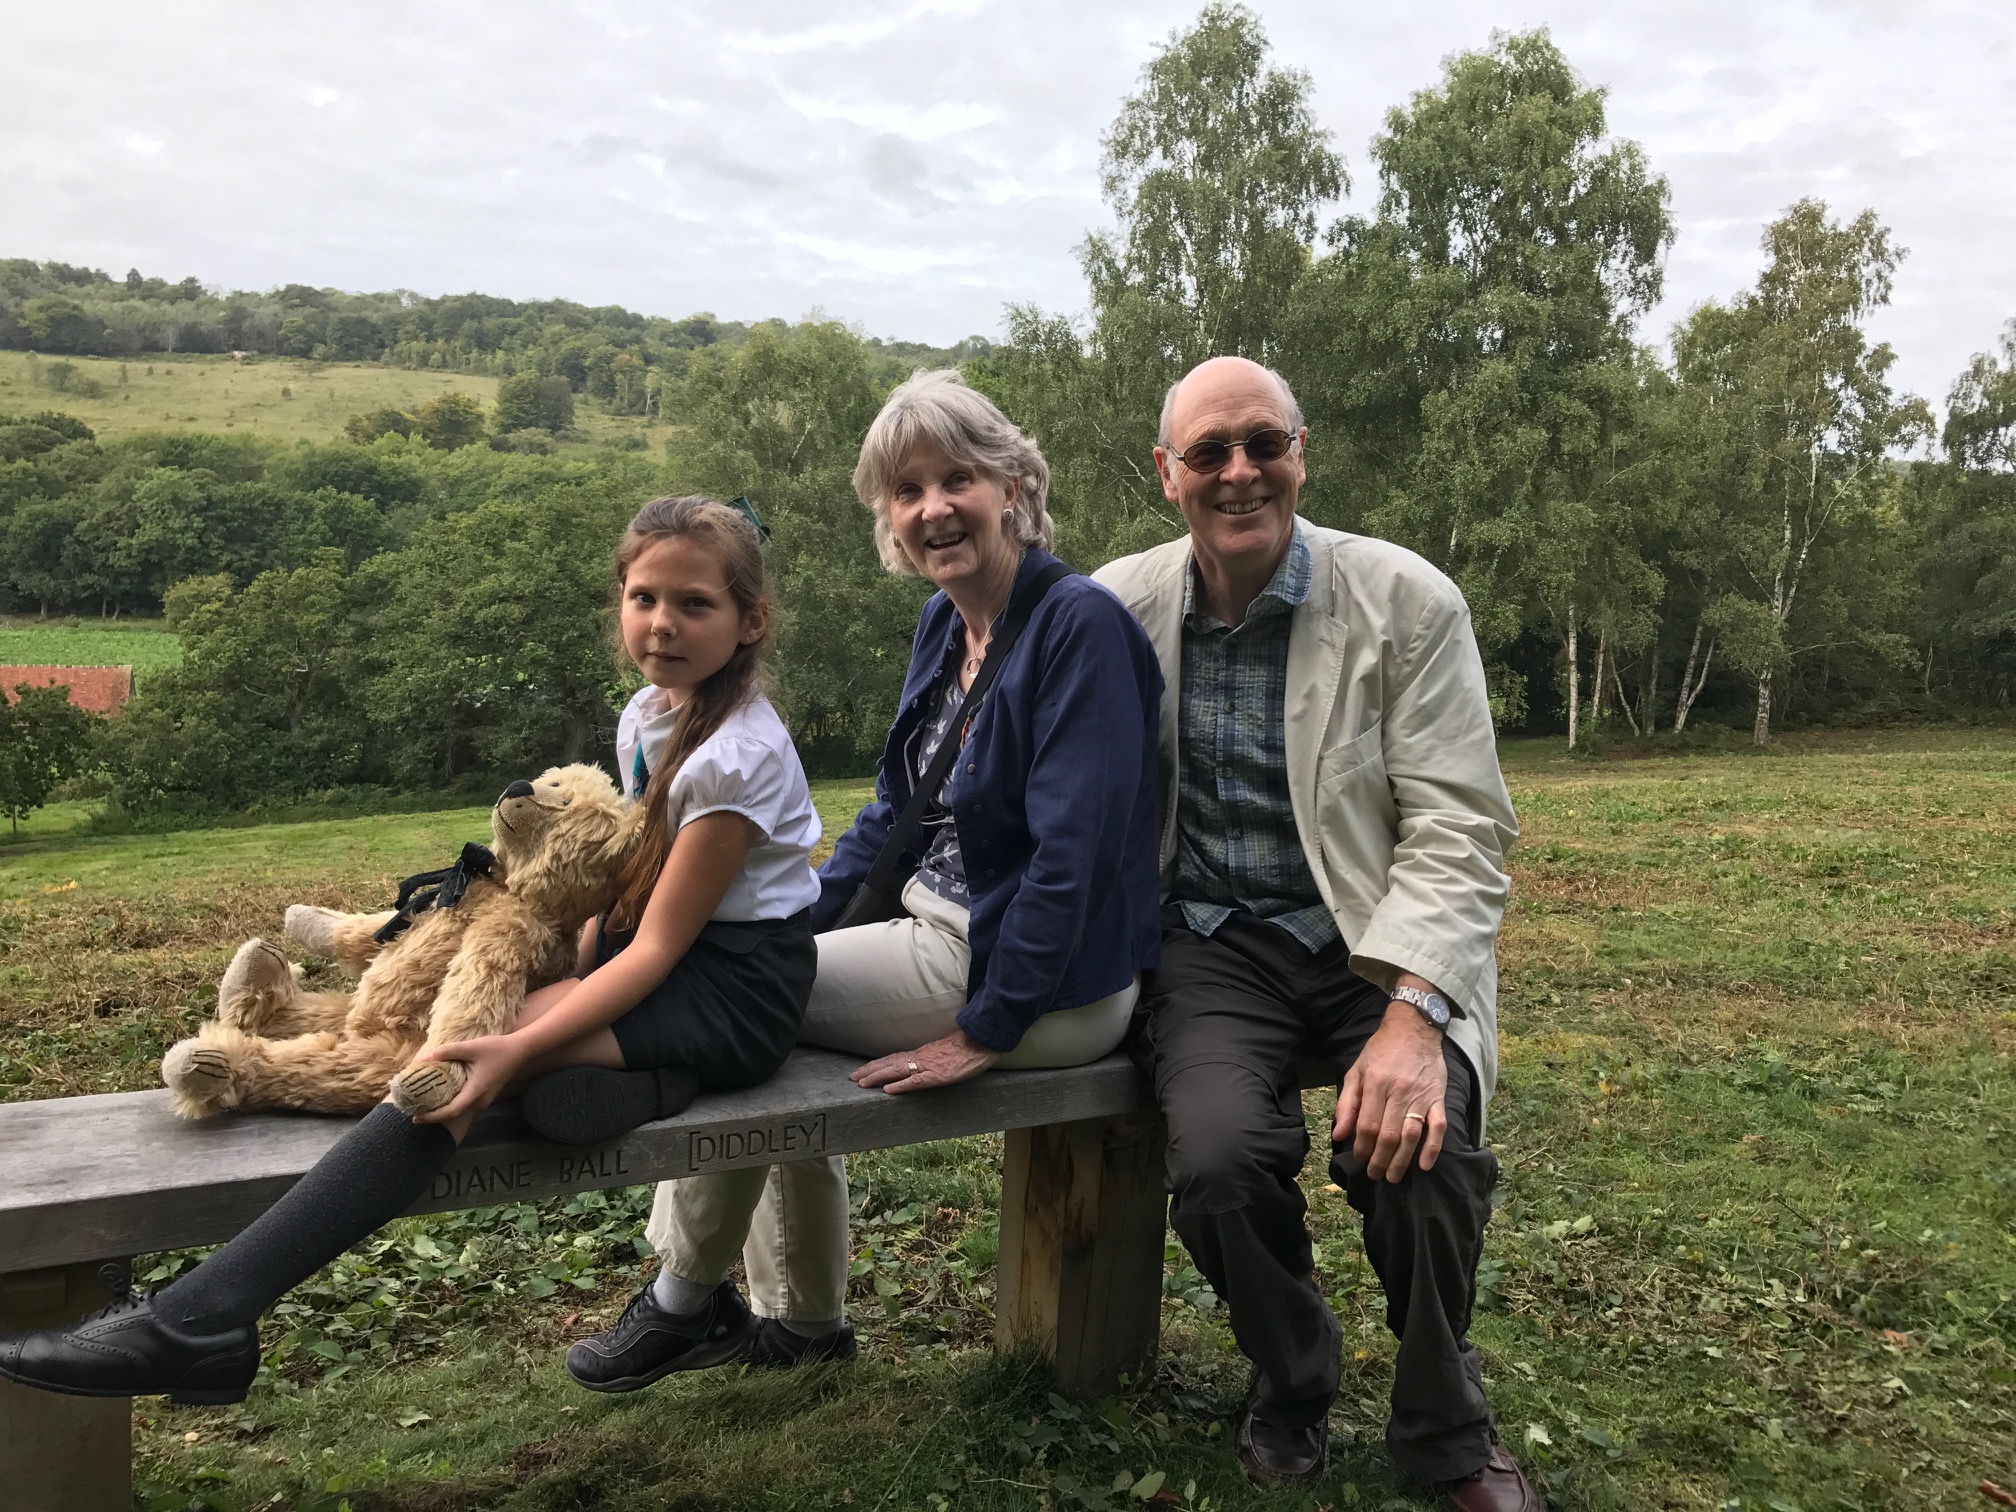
{"x": 519, "y": 789}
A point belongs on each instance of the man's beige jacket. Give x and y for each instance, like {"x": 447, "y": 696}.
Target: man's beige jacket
{"x": 1392, "y": 764}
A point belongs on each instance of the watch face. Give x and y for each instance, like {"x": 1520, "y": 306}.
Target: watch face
{"x": 1432, "y": 1005}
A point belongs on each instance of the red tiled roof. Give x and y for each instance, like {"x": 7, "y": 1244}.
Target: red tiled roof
{"x": 99, "y": 689}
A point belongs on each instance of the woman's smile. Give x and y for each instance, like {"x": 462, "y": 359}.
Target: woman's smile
{"x": 951, "y": 520}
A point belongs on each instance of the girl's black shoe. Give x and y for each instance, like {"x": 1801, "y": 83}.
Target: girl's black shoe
{"x": 648, "y": 1342}
{"x": 589, "y": 1105}
{"x": 124, "y": 1350}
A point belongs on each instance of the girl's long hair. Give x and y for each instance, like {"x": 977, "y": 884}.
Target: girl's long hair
{"x": 733, "y": 541}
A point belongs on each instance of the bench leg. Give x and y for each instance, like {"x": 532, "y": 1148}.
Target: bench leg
{"x": 61, "y": 1453}
{"x": 1080, "y": 1270}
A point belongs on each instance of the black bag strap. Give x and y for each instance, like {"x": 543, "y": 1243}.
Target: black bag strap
{"x": 435, "y": 889}
{"x": 881, "y": 878}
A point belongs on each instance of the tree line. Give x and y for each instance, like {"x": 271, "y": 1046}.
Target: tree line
{"x": 405, "y": 615}
{"x": 1750, "y": 529}
{"x": 611, "y": 354}
{"x": 1642, "y": 538}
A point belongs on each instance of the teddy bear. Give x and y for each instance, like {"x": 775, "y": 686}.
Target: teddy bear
{"x": 454, "y": 961}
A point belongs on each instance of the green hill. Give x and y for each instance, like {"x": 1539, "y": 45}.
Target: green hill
{"x": 279, "y": 398}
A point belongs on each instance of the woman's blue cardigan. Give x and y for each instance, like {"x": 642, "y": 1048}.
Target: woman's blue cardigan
{"x": 1055, "y": 808}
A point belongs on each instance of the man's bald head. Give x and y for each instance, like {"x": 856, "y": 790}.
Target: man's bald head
{"x": 1219, "y": 377}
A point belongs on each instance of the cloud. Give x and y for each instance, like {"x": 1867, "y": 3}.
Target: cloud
{"x": 876, "y": 257}
{"x": 898, "y": 118}
{"x": 845, "y": 35}
{"x": 896, "y": 171}
{"x": 914, "y": 168}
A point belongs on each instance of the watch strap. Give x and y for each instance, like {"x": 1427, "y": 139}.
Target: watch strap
{"x": 1432, "y": 1006}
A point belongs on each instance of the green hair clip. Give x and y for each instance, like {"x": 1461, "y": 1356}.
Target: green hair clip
{"x": 748, "y": 511}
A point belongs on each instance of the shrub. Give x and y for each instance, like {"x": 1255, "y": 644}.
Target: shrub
{"x": 450, "y": 422}
{"x": 540, "y": 442}
{"x": 369, "y": 426}
{"x": 44, "y": 740}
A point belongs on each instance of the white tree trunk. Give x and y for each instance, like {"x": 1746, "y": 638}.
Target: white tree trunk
{"x": 1602, "y": 688}
{"x": 1574, "y": 686}
{"x": 1760, "y": 732}
{"x": 1690, "y": 688}
{"x": 1624, "y": 701}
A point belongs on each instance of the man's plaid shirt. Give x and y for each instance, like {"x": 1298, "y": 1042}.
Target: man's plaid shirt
{"x": 1236, "y": 846}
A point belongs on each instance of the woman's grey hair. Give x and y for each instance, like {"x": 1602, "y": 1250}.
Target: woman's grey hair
{"x": 1290, "y": 410}
{"x": 937, "y": 409}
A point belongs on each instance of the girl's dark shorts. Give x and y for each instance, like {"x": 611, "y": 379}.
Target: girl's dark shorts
{"x": 730, "y": 1009}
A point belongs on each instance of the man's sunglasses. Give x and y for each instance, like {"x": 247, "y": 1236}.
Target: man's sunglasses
{"x": 1260, "y": 447}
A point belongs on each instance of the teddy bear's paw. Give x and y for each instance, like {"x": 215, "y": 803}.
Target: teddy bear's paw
{"x": 258, "y": 984}
{"x": 200, "y": 1077}
{"x": 313, "y": 929}
{"x": 426, "y": 1085}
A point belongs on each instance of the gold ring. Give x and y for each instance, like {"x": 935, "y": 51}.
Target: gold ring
{"x": 1422, "y": 1116}
{"x": 913, "y": 1067}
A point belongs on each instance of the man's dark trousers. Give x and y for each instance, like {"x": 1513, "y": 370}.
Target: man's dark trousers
{"x": 1222, "y": 1027}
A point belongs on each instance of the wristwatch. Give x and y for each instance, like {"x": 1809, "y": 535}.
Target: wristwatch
{"x": 1434, "y": 1007}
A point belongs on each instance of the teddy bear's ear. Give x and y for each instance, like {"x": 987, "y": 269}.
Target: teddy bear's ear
{"x": 628, "y": 825}
{"x": 583, "y": 780}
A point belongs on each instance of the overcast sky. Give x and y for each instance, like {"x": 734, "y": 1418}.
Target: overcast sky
{"x": 912, "y": 167}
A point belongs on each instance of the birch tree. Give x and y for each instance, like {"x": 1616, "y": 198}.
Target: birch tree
{"x": 1215, "y": 172}
{"x": 1966, "y": 521}
{"x": 1468, "y": 349}
{"x": 1811, "y": 421}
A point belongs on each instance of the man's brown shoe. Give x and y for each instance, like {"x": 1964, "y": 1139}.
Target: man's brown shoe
{"x": 1274, "y": 1456}
{"x": 1501, "y": 1486}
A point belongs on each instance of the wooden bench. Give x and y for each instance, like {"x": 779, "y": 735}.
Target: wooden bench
{"x": 84, "y": 1180}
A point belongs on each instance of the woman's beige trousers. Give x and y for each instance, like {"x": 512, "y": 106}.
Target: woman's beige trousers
{"x": 881, "y": 988}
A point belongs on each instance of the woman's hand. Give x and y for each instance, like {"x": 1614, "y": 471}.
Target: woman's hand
{"x": 492, "y": 1062}
{"x": 941, "y": 1063}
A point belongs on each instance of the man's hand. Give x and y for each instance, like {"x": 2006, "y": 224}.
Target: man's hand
{"x": 1391, "y": 1101}
{"x": 493, "y": 1063}
{"x": 954, "y": 1058}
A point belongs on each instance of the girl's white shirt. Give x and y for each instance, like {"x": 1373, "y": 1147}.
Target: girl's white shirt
{"x": 747, "y": 767}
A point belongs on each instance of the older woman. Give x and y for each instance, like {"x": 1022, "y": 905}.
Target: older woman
{"x": 1029, "y": 913}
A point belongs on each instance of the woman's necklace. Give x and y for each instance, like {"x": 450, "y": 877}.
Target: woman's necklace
{"x": 970, "y": 668}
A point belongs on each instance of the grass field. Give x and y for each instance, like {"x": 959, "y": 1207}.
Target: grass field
{"x": 283, "y": 399}
{"x": 1756, "y": 1244}
{"x": 144, "y": 645}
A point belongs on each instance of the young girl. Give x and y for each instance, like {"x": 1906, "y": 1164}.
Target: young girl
{"x": 696, "y": 979}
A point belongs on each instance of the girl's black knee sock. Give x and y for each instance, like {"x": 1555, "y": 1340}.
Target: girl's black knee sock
{"x": 369, "y": 1177}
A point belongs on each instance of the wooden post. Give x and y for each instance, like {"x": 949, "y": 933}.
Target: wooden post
{"x": 61, "y": 1453}
{"x": 1080, "y": 1270}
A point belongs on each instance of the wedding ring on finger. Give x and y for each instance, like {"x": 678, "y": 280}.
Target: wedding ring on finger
{"x": 911, "y": 1066}
{"x": 1422, "y": 1116}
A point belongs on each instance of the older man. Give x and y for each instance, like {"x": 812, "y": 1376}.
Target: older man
{"x": 1332, "y": 849}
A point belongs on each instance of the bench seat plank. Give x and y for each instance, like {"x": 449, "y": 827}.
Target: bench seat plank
{"x": 87, "y": 1178}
